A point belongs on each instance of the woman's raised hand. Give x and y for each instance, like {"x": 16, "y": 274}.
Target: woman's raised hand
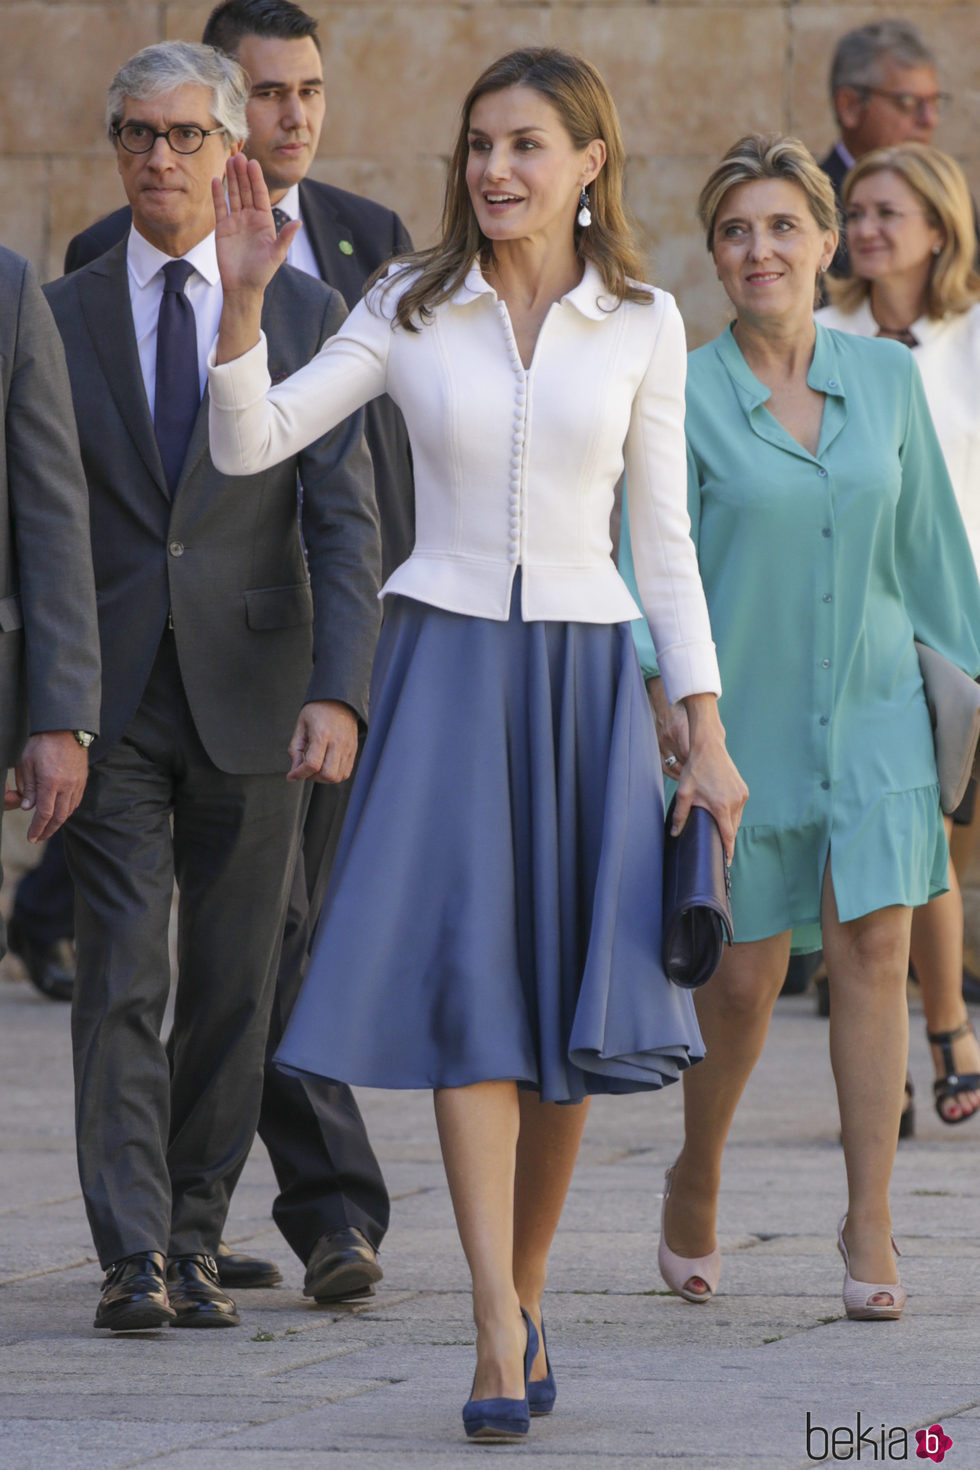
{"x": 249, "y": 250}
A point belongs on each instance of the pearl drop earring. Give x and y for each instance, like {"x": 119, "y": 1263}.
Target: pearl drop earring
{"x": 584, "y": 215}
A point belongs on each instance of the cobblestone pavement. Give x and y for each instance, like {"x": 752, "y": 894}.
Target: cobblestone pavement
{"x": 644, "y": 1379}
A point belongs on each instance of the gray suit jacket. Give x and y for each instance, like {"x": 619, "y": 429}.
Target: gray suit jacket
{"x": 256, "y": 633}
{"x": 350, "y": 236}
{"x": 49, "y": 646}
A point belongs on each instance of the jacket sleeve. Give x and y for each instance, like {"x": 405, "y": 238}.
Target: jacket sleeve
{"x": 935, "y": 566}
{"x": 664, "y": 557}
{"x": 49, "y": 507}
{"x": 640, "y": 628}
{"x": 343, "y": 544}
{"x": 254, "y": 425}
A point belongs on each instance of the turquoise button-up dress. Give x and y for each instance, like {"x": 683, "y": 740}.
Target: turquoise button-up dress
{"x": 819, "y": 571}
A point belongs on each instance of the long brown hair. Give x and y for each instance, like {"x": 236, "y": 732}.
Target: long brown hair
{"x": 582, "y": 100}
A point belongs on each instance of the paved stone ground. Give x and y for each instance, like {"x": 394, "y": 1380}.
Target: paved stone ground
{"x": 644, "y": 1379}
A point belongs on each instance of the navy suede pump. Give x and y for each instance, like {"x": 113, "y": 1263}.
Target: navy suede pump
{"x": 542, "y": 1394}
{"x": 499, "y": 1421}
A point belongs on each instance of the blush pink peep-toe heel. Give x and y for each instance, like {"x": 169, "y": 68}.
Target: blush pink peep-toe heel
{"x": 678, "y": 1271}
{"x": 857, "y": 1294}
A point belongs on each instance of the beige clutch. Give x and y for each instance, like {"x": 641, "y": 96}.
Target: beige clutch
{"x": 954, "y": 707}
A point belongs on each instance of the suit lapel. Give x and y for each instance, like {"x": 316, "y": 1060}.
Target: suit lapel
{"x": 197, "y": 445}
{"x": 326, "y": 229}
{"x": 104, "y": 296}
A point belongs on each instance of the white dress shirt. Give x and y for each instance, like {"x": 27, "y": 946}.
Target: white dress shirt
{"x": 512, "y": 466}
{"x": 203, "y": 290}
{"x": 948, "y": 357}
{"x": 300, "y": 253}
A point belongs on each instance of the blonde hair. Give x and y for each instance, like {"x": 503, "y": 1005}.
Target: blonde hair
{"x": 768, "y": 156}
{"x": 583, "y": 103}
{"x": 938, "y": 180}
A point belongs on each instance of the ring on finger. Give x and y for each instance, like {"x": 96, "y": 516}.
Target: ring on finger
{"x": 670, "y": 762}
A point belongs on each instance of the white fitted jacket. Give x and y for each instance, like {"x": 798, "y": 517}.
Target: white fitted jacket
{"x": 512, "y": 467}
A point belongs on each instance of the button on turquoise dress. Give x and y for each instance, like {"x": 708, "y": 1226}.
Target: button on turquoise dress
{"x": 819, "y": 571}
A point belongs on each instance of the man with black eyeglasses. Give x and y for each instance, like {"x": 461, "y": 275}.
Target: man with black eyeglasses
{"x": 884, "y": 90}
{"x": 236, "y": 658}
{"x": 332, "y": 1205}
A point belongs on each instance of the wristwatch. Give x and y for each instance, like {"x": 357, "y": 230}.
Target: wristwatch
{"x": 84, "y": 738}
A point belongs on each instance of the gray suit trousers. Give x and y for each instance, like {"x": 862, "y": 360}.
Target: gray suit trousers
{"x": 159, "y": 1155}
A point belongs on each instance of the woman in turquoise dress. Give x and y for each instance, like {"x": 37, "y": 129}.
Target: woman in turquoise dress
{"x": 828, "y": 539}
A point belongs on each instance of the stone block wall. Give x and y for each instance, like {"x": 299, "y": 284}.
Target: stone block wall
{"x": 688, "y": 76}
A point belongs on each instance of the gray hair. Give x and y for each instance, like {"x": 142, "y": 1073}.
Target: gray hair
{"x": 858, "y": 54}
{"x": 172, "y": 64}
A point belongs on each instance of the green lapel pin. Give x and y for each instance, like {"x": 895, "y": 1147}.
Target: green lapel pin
{"x": 346, "y": 248}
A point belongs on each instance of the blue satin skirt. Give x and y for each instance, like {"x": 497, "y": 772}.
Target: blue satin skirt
{"x": 494, "y": 906}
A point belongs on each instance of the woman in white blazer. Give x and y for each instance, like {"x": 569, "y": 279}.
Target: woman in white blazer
{"x": 913, "y": 245}
{"x": 492, "y": 927}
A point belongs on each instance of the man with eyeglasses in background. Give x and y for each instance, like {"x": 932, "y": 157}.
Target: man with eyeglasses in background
{"x": 884, "y": 90}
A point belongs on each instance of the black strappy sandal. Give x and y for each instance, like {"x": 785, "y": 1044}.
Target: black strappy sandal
{"x": 954, "y": 1083}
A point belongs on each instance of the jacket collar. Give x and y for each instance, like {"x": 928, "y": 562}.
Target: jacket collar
{"x": 861, "y": 323}
{"x": 587, "y": 297}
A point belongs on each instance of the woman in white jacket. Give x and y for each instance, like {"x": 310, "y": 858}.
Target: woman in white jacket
{"x": 492, "y": 927}
{"x": 913, "y": 245}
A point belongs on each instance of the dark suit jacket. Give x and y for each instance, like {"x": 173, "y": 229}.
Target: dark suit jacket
{"x": 49, "y": 646}
{"x": 836, "y": 170}
{"x": 225, "y": 555}
{"x": 375, "y": 234}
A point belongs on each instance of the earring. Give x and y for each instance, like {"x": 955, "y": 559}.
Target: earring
{"x": 823, "y": 270}
{"x": 584, "y": 215}
{"x": 936, "y": 249}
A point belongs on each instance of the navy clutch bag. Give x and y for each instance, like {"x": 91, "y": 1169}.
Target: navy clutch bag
{"x": 697, "y": 912}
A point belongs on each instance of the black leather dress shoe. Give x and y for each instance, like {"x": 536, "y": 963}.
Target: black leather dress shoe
{"x": 196, "y": 1295}
{"x": 51, "y": 967}
{"x": 240, "y": 1271}
{"x": 343, "y": 1267}
{"x": 134, "y": 1295}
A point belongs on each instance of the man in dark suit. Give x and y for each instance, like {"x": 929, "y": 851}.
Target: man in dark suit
{"x": 333, "y": 1206}
{"x": 217, "y": 646}
{"x": 884, "y": 90}
{"x": 49, "y": 642}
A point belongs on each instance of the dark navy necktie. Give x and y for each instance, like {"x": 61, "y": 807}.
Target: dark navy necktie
{"x": 279, "y": 218}
{"x": 178, "y": 386}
